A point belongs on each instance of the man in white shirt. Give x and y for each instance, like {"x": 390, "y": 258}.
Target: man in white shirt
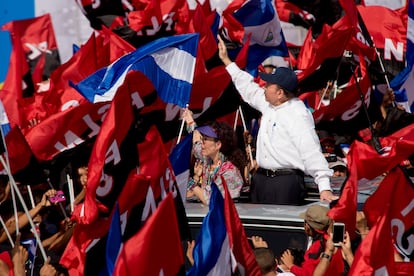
{"x": 287, "y": 144}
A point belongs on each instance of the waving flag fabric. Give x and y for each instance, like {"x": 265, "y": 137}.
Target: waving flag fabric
{"x": 390, "y": 221}
{"x": 114, "y": 240}
{"x": 4, "y": 120}
{"x": 221, "y": 246}
{"x": 168, "y": 62}
{"x": 366, "y": 164}
{"x": 260, "y": 20}
{"x": 404, "y": 81}
{"x": 212, "y": 254}
{"x": 180, "y": 162}
{"x": 34, "y": 56}
{"x": 156, "y": 248}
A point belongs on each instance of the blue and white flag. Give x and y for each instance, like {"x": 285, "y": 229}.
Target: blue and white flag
{"x": 113, "y": 242}
{"x": 169, "y": 62}
{"x": 404, "y": 81}
{"x": 180, "y": 162}
{"x": 4, "y": 120}
{"x": 212, "y": 254}
{"x": 260, "y": 19}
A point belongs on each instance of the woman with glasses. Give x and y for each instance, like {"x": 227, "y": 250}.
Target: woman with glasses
{"x": 217, "y": 157}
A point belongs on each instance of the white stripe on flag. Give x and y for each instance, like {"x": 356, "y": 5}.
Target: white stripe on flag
{"x": 222, "y": 266}
{"x": 177, "y": 63}
{"x": 110, "y": 94}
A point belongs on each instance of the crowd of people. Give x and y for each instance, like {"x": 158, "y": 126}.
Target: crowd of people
{"x": 272, "y": 169}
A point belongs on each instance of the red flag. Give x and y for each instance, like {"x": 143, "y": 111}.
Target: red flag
{"x": 367, "y": 260}
{"x": 18, "y": 150}
{"x": 65, "y": 130}
{"x": 392, "y": 221}
{"x": 386, "y": 28}
{"x": 365, "y": 164}
{"x": 348, "y": 103}
{"x": 106, "y": 151}
{"x": 34, "y": 56}
{"x": 331, "y": 43}
{"x": 74, "y": 256}
{"x": 239, "y": 244}
{"x": 156, "y": 248}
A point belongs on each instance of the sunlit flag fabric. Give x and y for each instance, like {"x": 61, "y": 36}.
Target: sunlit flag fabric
{"x": 221, "y": 248}
{"x": 168, "y": 62}
{"x": 391, "y": 222}
{"x": 260, "y": 20}
{"x": 34, "y": 56}
{"x": 180, "y": 161}
{"x": 404, "y": 81}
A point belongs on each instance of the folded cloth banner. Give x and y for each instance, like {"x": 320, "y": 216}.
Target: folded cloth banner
{"x": 168, "y": 62}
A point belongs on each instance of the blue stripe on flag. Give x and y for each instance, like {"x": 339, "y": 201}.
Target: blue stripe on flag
{"x": 114, "y": 241}
{"x": 169, "y": 62}
{"x": 211, "y": 251}
{"x": 260, "y": 19}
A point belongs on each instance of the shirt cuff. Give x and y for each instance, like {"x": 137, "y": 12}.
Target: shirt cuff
{"x": 232, "y": 68}
{"x": 324, "y": 184}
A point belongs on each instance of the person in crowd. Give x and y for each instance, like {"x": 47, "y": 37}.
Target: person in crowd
{"x": 266, "y": 260}
{"x": 287, "y": 144}
{"x": 339, "y": 167}
{"x": 217, "y": 155}
{"x": 83, "y": 179}
{"x": 330, "y": 249}
{"x": 317, "y": 226}
{"x": 298, "y": 258}
{"x": 22, "y": 219}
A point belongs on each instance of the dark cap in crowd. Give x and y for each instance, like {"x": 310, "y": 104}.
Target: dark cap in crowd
{"x": 282, "y": 76}
{"x": 207, "y": 131}
{"x": 316, "y": 217}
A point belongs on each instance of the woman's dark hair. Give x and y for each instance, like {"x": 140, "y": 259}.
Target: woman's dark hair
{"x": 229, "y": 145}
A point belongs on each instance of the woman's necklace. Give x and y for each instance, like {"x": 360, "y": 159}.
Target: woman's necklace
{"x": 212, "y": 171}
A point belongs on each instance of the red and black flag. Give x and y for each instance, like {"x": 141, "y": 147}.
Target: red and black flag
{"x": 34, "y": 56}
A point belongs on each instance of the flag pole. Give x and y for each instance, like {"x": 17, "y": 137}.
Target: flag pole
{"x": 323, "y": 95}
{"x": 29, "y": 191}
{"x": 19, "y": 195}
{"x": 375, "y": 141}
{"x": 245, "y": 130}
{"x": 71, "y": 192}
{"x": 236, "y": 119}
{"x": 6, "y": 231}
{"x": 181, "y": 128}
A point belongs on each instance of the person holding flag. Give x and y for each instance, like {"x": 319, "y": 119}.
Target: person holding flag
{"x": 287, "y": 144}
{"x": 217, "y": 155}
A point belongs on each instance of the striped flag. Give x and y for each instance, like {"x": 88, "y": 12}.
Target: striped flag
{"x": 168, "y": 62}
{"x": 404, "y": 81}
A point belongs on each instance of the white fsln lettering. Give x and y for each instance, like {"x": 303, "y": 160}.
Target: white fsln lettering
{"x": 150, "y": 205}
{"x": 168, "y": 19}
{"x": 401, "y": 230}
{"x": 113, "y": 153}
{"x": 96, "y": 4}
{"x": 354, "y": 110}
{"x": 105, "y": 185}
{"x": 103, "y": 111}
{"x": 137, "y": 100}
{"x": 92, "y": 125}
{"x": 155, "y": 26}
{"x": 397, "y": 52}
{"x": 382, "y": 271}
{"x": 71, "y": 103}
{"x": 71, "y": 140}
